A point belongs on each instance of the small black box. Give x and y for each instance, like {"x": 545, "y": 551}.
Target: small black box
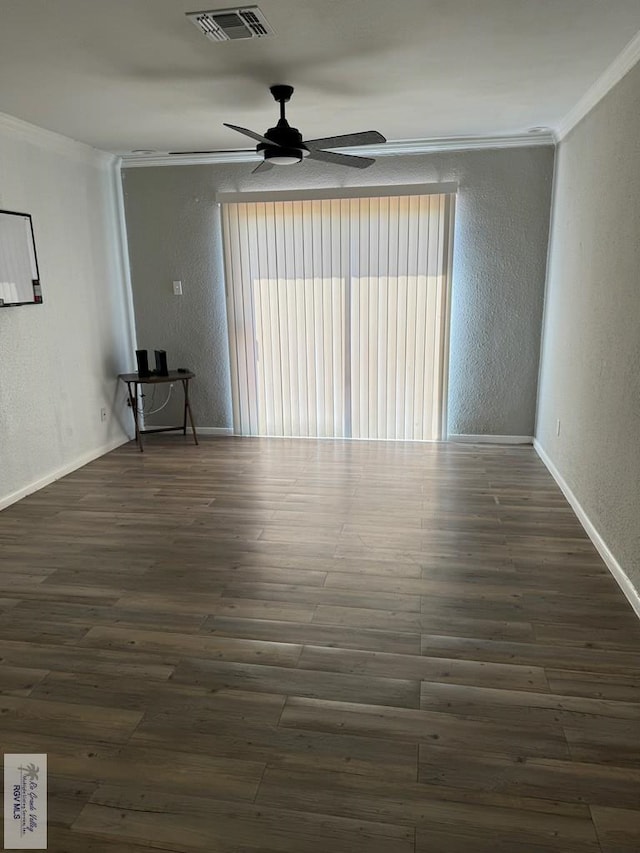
{"x": 161, "y": 363}
{"x": 142, "y": 358}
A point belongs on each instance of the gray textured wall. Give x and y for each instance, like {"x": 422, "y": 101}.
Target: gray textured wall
{"x": 590, "y": 369}
{"x": 59, "y": 360}
{"x": 498, "y": 286}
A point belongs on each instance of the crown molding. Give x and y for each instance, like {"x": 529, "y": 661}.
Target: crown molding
{"x": 389, "y": 149}
{"x": 621, "y": 65}
{"x": 56, "y": 142}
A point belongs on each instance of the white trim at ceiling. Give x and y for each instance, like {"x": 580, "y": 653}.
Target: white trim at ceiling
{"x": 51, "y": 141}
{"x": 621, "y": 65}
{"x": 388, "y": 149}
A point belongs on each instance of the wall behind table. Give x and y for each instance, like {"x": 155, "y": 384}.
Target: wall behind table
{"x": 500, "y": 255}
{"x": 59, "y": 360}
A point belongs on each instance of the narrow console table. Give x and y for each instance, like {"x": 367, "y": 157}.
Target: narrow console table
{"x": 133, "y": 382}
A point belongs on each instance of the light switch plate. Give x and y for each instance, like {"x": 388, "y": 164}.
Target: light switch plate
{"x": 177, "y": 288}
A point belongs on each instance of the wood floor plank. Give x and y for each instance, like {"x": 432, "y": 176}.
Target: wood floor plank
{"x": 336, "y": 794}
{"x": 563, "y": 780}
{"x": 488, "y": 703}
{"x": 66, "y": 840}
{"x": 403, "y": 802}
{"x": 622, "y": 687}
{"x": 424, "y": 727}
{"x": 313, "y": 634}
{"x": 17, "y": 628}
{"x": 65, "y": 800}
{"x": 108, "y": 691}
{"x": 59, "y": 746}
{"x": 453, "y": 840}
{"x": 75, "y": 659}
{"x": 323, "y": 595}
{"x": 533, "y": 654}
{"x": 20, "y": 680}
{"x": 206, "y": 604}
{"x": 180, "y": 646}
{"x": 423, "y": 668}
{"x": 219, "y": 826}
{"x": 605, "y": 740}
{"x": 618, "y": 829}
{"x": 403, "y": 693}
{"x": 624, "y": 637}
{"x": 169, "y": 770}
{"x": 89, "y": 616}
{"x": 26, "y": 714}
{"x": 250, "y": 739}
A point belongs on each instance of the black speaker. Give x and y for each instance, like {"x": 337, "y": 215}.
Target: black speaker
{"x": 143, "y": 362}
{"x": 161, "y": 363}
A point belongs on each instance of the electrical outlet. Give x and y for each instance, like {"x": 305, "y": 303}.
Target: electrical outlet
{"x": 558, "y": 427}
{"x": 103, "y": 415}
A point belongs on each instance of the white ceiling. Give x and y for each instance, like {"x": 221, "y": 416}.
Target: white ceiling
{"x": 136, "y": 74}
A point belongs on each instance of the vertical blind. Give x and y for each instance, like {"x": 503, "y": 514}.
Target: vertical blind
{"x": 338, "y": 315}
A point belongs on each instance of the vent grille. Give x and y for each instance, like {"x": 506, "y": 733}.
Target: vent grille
{"x": 247, "y": 22}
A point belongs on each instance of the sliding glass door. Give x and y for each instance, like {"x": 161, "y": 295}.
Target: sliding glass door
{"x": 338, "y": 315}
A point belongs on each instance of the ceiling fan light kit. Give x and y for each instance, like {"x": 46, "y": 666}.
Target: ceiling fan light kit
{"x": 282, "y": 156}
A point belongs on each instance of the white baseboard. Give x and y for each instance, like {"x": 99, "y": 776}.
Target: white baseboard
{"x": 52, "y": 476}
{"x": 214, "y": 430}
{"x": 491, "y": 439}
{"x": 601, "y": 546}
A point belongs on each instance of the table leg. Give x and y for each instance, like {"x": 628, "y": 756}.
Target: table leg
{"x": 185, "y": 384}
{"x": 133, "y": 401}
{"x": 187, "y": 409}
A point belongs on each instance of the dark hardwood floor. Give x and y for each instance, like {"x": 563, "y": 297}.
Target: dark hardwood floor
{"x": 319, "y": 647}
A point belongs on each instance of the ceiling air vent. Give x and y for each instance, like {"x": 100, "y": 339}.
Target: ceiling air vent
{"x": 247, "y": 22}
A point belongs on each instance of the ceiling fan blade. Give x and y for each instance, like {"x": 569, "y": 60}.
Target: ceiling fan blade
{"x": 251, "y": 134}
{"x": 341, "y": 159}
{"x": 346, "y": 140}
{"x": 217, "y": 151}
{"x": 265, "y": 166}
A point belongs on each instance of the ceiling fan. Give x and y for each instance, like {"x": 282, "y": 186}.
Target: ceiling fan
{"x": 283, "y": 145}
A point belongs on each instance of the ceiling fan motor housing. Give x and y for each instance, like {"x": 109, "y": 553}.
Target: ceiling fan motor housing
{"x": 284, "y": 136}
